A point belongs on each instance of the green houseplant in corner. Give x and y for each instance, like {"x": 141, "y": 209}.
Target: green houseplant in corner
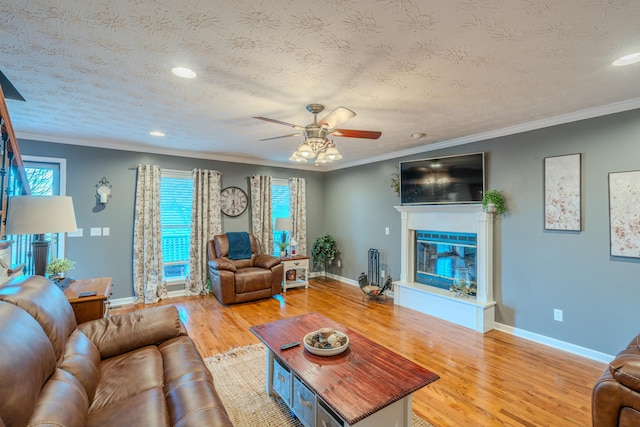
{"x": 494, "y": 201}
{"x": 324, "y": 251}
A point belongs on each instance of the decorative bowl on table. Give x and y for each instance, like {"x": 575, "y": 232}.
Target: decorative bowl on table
{"x": 326, "y": 342}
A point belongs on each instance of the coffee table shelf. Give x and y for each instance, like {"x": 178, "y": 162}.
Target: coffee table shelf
{"x": 351, "y": 389}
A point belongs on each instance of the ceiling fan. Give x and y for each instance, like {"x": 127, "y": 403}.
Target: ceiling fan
{"x": 316, "y": 135}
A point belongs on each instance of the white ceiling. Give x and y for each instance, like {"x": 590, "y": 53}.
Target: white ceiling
{"x": 97, "y": 72}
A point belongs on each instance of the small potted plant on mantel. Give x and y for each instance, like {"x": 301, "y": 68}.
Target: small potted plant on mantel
{"x": 493, "y": 201}
{"x": 58, "y": 266}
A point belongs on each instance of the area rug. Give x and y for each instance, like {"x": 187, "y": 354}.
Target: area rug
{"x": 239, "y": 375}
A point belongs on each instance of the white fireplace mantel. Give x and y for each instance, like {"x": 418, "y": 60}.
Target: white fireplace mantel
{"x": 476, "y": 313}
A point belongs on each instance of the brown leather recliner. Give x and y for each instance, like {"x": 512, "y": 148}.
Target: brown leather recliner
{"x": 242, "y": 280}
{"x": 615, "y": 400}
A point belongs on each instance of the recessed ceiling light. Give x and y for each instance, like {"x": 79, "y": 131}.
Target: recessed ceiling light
{"x": 184, "y": 72}
{"x": 156, "y": 133}
{"x": 627, "y": 59}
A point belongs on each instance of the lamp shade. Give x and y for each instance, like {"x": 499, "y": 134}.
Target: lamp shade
{"x": 284, "y": 224}
{"x": 40, "y": 215}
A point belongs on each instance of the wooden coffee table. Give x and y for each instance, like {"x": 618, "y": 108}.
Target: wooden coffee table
{"x": 366, "y": 386}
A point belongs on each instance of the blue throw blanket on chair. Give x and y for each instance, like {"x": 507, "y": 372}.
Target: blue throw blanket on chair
{"x": 239, "y": 245}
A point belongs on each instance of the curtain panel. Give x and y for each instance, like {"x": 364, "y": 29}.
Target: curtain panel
{"x": 148, "y": 275}
{"x": 206, "y": 222}
{"x": 298, "y": 213}
{"x": 261, "y": 225}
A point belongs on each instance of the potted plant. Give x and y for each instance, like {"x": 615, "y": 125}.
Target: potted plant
{"x": 58, "y": 266}
{"x": 493, "y": 201}
{"x": 395, "y": 181}
{"x": 324, "y": 251}
{"x": 283, "y": 248}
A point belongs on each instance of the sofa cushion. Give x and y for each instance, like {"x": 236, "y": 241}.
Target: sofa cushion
{"x": 147, "y": 408}
{"x": 120, "y": 334}
{"x": 46, "y": 303}
{"x": 252, "y": 279}
{"x": 124, "y": 376}
{"x": 82, "y": 360}
{"x": 27, "y": 359}
{"x": 62, "y": 402}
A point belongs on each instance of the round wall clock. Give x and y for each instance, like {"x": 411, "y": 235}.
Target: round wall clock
{"x": 233, "y": 201}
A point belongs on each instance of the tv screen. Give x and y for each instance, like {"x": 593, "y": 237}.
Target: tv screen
{"x": 452, "y": 179}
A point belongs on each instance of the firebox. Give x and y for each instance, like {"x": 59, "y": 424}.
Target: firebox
{"x": 441, "y": 256}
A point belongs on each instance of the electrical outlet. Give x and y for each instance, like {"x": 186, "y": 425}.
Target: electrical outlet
{"x": 382, "y": 273}
{"x": 339, "y": 264}
{"x": 557, "y": 315}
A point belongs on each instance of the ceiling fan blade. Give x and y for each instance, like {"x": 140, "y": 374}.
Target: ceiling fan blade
{"x": 351, "y": 133}
{"x": 283, "y": 136}
{"x": 278, "y": 122}
{"x": 337, "y": 116}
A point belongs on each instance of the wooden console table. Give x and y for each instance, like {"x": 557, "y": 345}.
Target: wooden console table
{"x": 366, "y": 386}
{"x": 294, "y": 265}
{"x": 89, "y": 307}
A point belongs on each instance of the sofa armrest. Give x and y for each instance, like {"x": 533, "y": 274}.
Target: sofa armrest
{"x": 266, "y": 261}
{"x": 625, "y": 368}
{"x": 222, "y": 264}
{"x": 126, "y": 332}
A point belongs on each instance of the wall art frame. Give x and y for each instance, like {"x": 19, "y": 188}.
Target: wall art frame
{"x": 624, "y": 216}
{"x": 563, "y": 192}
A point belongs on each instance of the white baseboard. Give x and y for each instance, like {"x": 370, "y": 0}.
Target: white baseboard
{"x": 117, "y": 302}
{"x": 552, "y": 342}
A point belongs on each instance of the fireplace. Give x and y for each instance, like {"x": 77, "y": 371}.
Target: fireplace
{"x": 438, "y": 242}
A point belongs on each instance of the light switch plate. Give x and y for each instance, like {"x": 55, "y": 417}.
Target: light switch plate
{"x": 105, "y": 231}
{"x": 78, "y": 233}
{"x": 96, "y": 231}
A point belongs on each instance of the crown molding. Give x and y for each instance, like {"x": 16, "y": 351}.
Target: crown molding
{"x": 590, "y": 113}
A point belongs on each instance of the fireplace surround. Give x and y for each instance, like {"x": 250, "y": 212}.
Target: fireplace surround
{"x": 477, "y": 312}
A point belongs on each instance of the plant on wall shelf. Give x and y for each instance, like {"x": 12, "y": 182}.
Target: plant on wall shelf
{"x": 324, "y": 251}
{"x": 495, "y": 198}
{"x": 57, "y": 266}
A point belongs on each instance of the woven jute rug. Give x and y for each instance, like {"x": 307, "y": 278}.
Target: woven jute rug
{"x": 239, "y": 375}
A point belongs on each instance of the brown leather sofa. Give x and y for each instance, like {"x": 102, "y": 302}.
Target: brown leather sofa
{"x": 242, "y": 280}
{"x": 615, "y": 400}
{"x": 135, "y": 369}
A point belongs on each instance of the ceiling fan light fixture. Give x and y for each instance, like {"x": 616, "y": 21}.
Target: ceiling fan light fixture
{"x": 295, "y": 157}
{"x": 332, "y": 153}
{"x": 305, "y": 150}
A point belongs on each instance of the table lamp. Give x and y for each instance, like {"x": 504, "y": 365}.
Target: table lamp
{"x": 39, "y": 215}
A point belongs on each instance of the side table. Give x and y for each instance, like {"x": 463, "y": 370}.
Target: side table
{"x": 296, "y": 272}
{"x": 89, "y": 307}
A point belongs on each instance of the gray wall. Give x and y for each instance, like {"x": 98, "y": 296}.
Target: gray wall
{"x": 112, "y": 255}
{"x": 535, "y": 270}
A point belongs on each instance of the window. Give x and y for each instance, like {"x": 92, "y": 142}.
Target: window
{"x": 45, "y": 177}
{"x": 176, "y": 193}
{"x": 280, "y": 206}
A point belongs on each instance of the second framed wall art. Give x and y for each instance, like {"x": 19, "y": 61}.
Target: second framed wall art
{"x": 562, "y": 193}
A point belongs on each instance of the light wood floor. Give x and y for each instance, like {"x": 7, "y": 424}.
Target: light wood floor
{"x": 494, "y": 379}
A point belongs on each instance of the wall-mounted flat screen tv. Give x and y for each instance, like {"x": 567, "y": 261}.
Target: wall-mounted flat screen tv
{"x": 440, "y": 180}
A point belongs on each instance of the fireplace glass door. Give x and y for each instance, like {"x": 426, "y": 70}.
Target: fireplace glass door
{"x": 440, "y": 254}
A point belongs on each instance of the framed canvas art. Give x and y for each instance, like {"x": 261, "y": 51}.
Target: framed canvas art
{"x": 624, "y": 213}
{"x": 562, "y": 192}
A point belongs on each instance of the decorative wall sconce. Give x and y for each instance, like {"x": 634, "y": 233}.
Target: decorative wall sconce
{"x": 103, "y": 191}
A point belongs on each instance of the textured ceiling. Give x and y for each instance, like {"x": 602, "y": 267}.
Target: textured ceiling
{"x": 97, "y": 72}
